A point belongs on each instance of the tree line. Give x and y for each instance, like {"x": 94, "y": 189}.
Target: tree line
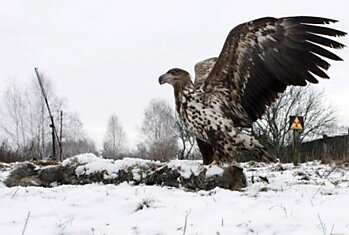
{"x": 25, "y": 129}
{"x": 163, "y": 136}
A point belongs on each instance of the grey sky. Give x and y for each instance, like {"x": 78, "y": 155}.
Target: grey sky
{"x": 105, "y": 57}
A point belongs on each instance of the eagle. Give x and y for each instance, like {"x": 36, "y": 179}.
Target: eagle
{"x": 259, "y": 60}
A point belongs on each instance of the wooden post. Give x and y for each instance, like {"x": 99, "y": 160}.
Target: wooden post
{"x": 295, "y": 157}
{"x": 53, "y": 140}
{"x": 60, "y": 138}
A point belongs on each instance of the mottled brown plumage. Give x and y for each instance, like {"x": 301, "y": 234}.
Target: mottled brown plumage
{"x": 259, "y": 60}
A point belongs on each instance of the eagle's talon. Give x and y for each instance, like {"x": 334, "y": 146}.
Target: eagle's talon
{"x": 215, "y": 162}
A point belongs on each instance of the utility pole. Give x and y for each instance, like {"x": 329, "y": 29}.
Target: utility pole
{"x": 52, "y": 125}
{"x": 60, "y": 137}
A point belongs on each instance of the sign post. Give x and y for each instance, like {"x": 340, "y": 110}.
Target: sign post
{"x": 296, "y": 125}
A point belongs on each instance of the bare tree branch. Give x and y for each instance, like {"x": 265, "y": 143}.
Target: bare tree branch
{"x": 158, "y": 130}
{"x": 114, "y": 140}
{"x": 273, "y": 128}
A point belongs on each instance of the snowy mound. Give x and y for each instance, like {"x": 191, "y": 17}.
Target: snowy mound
{"x": 88, "y": 164}
{"x": 88, "y": 168}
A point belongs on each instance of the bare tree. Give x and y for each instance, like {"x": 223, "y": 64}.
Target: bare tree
{"x": 141, "y": 150}
{"x": 187, "y": 141}
{"x": 73, "y": 128}
{"x": 75, "y": 140}
{"x": 84, "y": 145}
{"x": 13, "y": 116}
{"x": 158, "y": 130}
{"x": 25, "y": 122}
{"x": 273, "y": 128}
{"x": 38, "y": 117}
{"x": 337, "y": 130}
{"x": 114, "y": 140}
{"x": 25, "y": 117}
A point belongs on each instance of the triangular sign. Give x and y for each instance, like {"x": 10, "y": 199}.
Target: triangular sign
{"x": 297, "y": 123}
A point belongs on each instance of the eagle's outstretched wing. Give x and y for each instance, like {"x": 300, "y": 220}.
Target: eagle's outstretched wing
{"x": 202, "y": 69}
{"x": 262, "y": 57}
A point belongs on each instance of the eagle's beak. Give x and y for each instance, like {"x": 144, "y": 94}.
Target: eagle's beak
{"x": 162, "y": 79}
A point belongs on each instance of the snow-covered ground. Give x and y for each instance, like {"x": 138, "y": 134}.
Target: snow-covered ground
{"x": 308, "y": 199}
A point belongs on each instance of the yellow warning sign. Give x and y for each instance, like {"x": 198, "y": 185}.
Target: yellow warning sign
{"x": 296, "y": 123}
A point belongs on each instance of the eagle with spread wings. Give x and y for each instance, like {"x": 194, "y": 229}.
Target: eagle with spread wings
{"x": 258, "y": 61}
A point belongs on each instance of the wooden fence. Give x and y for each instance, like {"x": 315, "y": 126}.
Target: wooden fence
{"x": 327, "y": 148}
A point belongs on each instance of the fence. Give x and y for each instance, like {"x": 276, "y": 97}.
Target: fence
{"x": 334, "y": 148}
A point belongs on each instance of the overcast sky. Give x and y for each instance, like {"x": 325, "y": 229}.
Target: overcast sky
{"x": 105, "y": 57}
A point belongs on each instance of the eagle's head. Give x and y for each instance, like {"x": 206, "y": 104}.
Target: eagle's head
{"x": 178, "y": 78}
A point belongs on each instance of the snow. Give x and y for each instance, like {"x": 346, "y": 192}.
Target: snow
{"x": 308, "y": 199}
{"x": 186, "y": 167}
{"x": 214, "y": 170}
{"x": 90, "y": 163}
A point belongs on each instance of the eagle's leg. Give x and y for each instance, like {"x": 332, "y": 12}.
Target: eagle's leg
{"x": 210, "y": 157}
{"x": 206, "y": 151}
{"x": 219, "y": 153}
